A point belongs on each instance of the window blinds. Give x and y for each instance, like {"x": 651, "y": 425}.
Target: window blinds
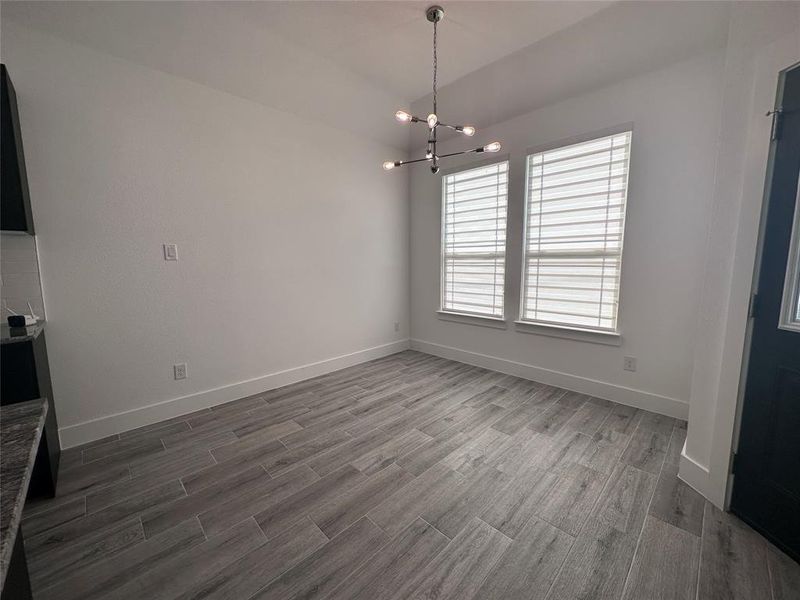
{"x": 576, "y": 199}
{"x": 474, "y": 240}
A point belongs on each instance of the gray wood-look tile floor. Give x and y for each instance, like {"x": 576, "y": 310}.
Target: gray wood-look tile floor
{"x": 407, "y": 477}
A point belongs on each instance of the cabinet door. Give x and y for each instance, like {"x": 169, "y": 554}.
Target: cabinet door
{"x": 18, "y": 378}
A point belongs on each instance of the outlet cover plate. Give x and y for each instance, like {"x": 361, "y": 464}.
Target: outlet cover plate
{"x": 170, "y": 252}
{"x": 179, "y": 371}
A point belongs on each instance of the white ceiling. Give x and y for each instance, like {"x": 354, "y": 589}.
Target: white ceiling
{"x": 352, "y": 64}
{"x": 390, "y": 43}
{"x": 626, "y": 39}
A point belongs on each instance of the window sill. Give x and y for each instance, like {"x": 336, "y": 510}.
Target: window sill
{"x": 454, "y": 317}
{"x": 570, "y": 333}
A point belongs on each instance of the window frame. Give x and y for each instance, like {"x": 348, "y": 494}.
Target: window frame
{"x": 465, "y": 317}
{"x": 572, "y": 331}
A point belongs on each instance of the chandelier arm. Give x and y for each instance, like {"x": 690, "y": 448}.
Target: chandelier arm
{"x": 462, "y": 152}
{"x": 456, "y": 127}
{"x": 409, "y": 162}
{"x": 416, "y": 160}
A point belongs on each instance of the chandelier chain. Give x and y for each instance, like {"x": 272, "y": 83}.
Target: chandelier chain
{"x": 435, "y": 66}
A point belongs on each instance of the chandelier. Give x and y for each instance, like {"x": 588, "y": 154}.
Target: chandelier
{"x": 434, "y": 15}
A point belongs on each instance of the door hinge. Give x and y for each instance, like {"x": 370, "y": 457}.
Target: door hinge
{"x": 775, "y": 132}
{"x": 734, "y": 462}
{"x": 753, "y": 308}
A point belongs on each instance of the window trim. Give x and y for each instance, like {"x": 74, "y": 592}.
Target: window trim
{"x": 470, "y": 318}
{"x": 577, "y": 332}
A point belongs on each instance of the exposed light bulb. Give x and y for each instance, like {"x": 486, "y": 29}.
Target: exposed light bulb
{"x": 402, "y": 116}
{"x": 432, "y": 120}
{"x": 389, "y": 165}
{"x": 468, "y": 130}
{"x": 493, "y": 147}
{"x": 429, "y": 154}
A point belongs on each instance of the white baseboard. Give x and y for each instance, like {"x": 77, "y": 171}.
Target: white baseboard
{"x": 695, "y": 475}
{"x": 95, "y": 429}
{"x": 608, "y": 391}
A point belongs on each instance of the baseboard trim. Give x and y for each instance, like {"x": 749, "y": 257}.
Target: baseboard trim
{"x": 95, "y": 429}
{"x": 696, "y": 475}
{"x": 624, "y": 395}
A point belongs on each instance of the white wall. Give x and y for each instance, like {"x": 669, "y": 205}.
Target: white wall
{"x": 764, "y": 39}
{"x": 674, "y": 112}
{"x": 293, "y": 242}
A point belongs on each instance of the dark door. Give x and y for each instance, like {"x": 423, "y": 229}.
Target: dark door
{"x": 766, "y": 485}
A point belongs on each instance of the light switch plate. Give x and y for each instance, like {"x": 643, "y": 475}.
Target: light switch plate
{"x": 170, "y": 252}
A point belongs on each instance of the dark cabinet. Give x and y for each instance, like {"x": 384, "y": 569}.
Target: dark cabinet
{"x": 15, "y": 201}
{"x": 25, "y": 375}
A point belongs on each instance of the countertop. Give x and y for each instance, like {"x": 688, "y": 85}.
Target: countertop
{"x": 12, "y": 335}
{"x": 21, "y": 427}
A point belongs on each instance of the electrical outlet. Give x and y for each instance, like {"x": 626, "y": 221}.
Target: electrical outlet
{"x": 629, "y": 363}
{"x": 179, "y": 370}
{"x": 170, "y": 252}
{"x": 397, "y": 326}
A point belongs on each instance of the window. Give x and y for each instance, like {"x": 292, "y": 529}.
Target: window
{"x": 790, "y": 308}
{"x": 474, "y": 240}
{"x": 575, "y": 219}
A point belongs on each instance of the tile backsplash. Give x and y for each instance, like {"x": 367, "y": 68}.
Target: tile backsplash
{"x": 19, "y": 271}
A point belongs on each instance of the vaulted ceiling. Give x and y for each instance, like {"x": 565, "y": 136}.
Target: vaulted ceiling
{"x": 352, "y": 64}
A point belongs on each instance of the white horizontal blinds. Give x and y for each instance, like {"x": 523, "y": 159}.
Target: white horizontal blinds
{"x": 474, "y": 240}
{"x": 575, "y": 223}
